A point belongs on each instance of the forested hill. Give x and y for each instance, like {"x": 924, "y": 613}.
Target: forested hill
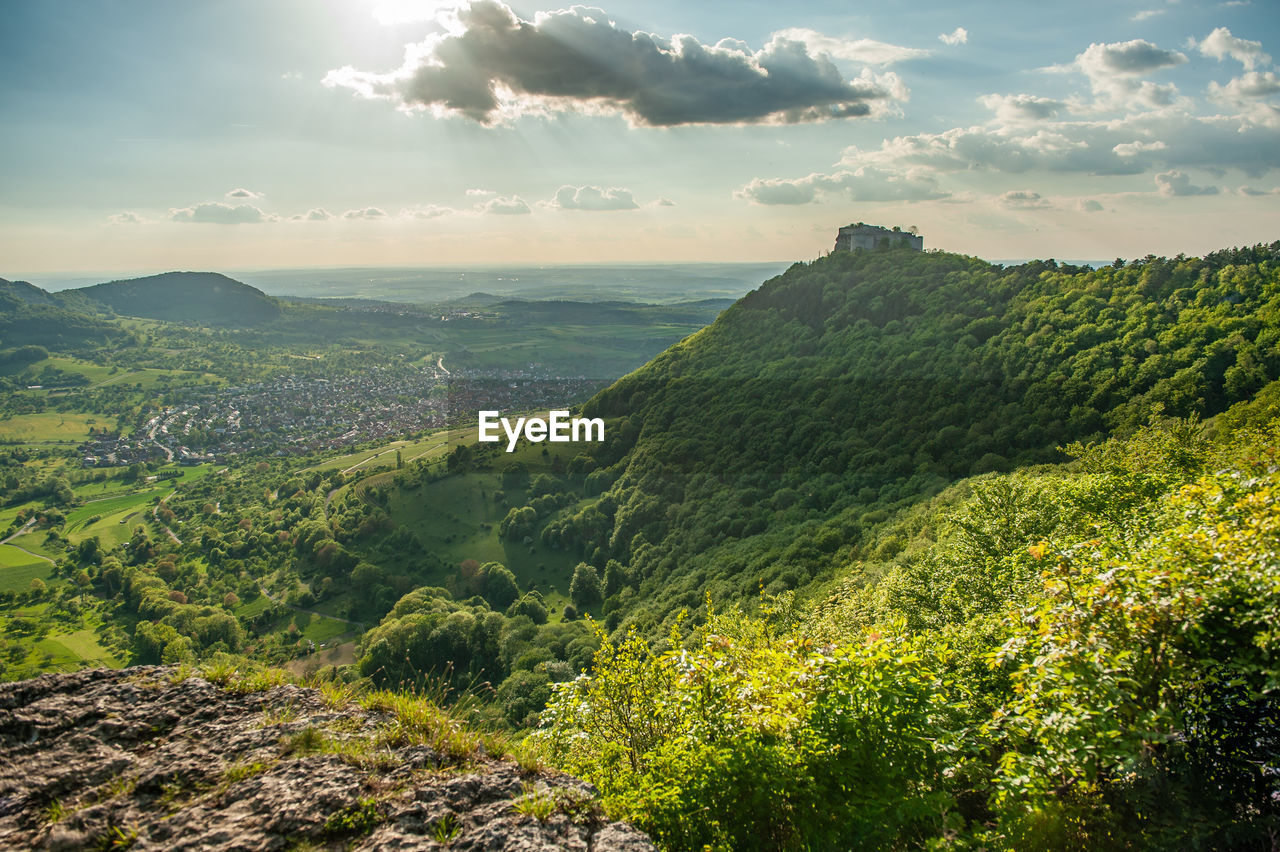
{"x": 32, "y": 316}
{"x": 196, "y": 297}
{"x": 863, "y": 380}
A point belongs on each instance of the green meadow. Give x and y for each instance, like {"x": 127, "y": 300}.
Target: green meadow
{"x": 457, "y": 518}
{"x": 18, "y": 569}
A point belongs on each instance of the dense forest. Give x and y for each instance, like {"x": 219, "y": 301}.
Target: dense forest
{"x": 904, "y": 550}
{"x": 865, "y": 381}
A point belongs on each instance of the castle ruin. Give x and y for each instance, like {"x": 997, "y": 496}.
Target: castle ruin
{"x": 864, "y": 236}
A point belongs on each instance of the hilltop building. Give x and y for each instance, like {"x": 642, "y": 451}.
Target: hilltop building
{"x": 866, "y": 236}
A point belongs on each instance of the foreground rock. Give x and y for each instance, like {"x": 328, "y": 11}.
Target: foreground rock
{"x": 143, "y": 759}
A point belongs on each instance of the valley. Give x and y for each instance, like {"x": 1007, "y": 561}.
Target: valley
{"x": 872, "y": 480}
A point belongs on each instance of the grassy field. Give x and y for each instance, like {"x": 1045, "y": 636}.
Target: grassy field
{"x": 116, "y": 486}
{"x": 18, "y": 569}
{"x": 254, "y": 607}
{"x": 432, "y": 446}
{"x": 65, "y": 648}
{"x": 112, "y": 519}
{"x": 34, "y": 542}
{"x": 79, "y": 648}
{"x": 457, "y": 518}
{"x": 50, "y": 427}
{"x": 148, "y": 378}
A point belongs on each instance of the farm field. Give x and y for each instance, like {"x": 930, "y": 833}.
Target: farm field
{"x": 49, "y": 427}
{"x": 18, "y": 568}
{"x": 79, "y": 649}
{"x": 112, "y": 519}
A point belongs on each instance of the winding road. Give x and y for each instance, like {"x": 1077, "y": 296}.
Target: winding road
{"x": 23, "y": 530}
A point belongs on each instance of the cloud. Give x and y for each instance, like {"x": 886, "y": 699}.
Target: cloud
{"x": 1249, "y": 190}
{"x": 1138, "y": 143}
{"x": 1136, "y": 56}
{"x": 1221, "y": 44}
{"x": 957, "y": 36}
{"x": 1133, "y": 149}
{"x": 365, "y": 213}
{"x": 217, "y": 213}
{"x": 291, "y": 75}
{"x": 593, "y": 198}
{"x": 481, "y": 193}
{"x": 1088, "y": 205}
{"x": 1023, "y": 199}
{"x": 490, "y": 66}
{"x": 1175, "y": 183}
{"x": 1113, "y": 70}
{"x": 1020, "y": 109}
{"x": 868, "y": 184}
{"x": 429, "y": 211}
{"x": 665, "y": 202}
{"x": 1147, "y": 14}
{"x": 864, "y": 50}
{"x": 126, "y": 217}
{"x": 315, "y": 214}
{"x": 505, "y": 206}
{"x": 243, "y": 193}
{"x": 1254, "y": 84}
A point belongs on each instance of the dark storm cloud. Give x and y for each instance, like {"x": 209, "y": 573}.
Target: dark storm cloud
{"x": 579, "y": 59}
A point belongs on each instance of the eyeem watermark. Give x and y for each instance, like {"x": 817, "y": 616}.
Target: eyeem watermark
{"x": 559, "y": 428}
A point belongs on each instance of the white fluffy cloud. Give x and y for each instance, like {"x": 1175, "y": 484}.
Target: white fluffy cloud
{"x": 1022, "y": 109}
{"x": 593, "y": 198}
{"x": 1221, "y": 44}
{"x": 1254, "y": 84}
{"x": 241, "y": 192}
{"x": 1136, "y": 147}
{"x": 505, "y": 206}
{"x": 427, "y": 211}
{"x": 365, "y": 213}
{"x": 1175, "y": 183}
{"x": 490, "y": 66}
{"x": 957, "y": 36}
{"x": 1114, "y": 70}
{"x": 217, "y": 213}
{"x": 863, "y": 50}
{"x": 126, "y": 217}
{"x": 1135, "y": 144}
{"x": 868, "y": 184}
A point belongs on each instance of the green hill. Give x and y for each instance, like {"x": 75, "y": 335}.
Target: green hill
{"x": 189, "y": 297}
{"x": 753, "y": 453}
{"x": 32, "y": 316}
{"x": 1078, "y": 655}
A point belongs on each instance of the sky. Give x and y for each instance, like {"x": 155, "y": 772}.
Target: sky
{"x": 143, "y": 136}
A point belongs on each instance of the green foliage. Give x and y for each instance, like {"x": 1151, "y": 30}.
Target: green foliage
{"x": 358, "y": 818}
{"x": 535, "y": 802}
{"x": 584, "y": 588}
{"x": 1041, "y": 673}
{"x": 868, "y": 380}
{"x": 755, "y": 739}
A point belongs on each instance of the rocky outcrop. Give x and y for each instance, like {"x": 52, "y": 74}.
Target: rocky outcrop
{"x": 149, "y": 758}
